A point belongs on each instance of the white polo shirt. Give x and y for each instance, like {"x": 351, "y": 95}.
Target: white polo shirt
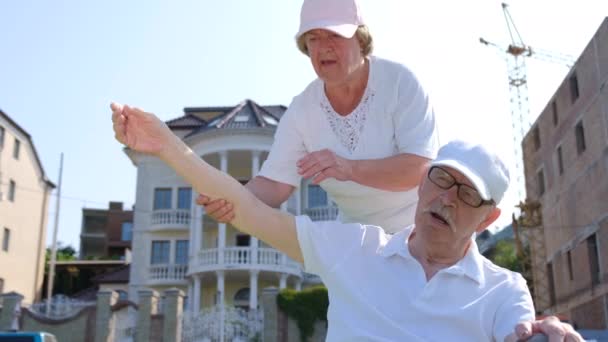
{"x": 379, "y": 292}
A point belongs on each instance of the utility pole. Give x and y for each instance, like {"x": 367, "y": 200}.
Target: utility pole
{"x": 51, "y": 276}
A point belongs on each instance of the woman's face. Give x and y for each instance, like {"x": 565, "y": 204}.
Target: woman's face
{"x": 333, "y": 57}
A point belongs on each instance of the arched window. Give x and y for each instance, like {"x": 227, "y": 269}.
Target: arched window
{"x": 241, "y": 298}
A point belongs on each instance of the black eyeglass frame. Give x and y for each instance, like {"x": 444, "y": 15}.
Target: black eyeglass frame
{"x": 459, "y": 186}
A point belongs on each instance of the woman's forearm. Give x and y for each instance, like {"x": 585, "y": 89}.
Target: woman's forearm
{"x": 397, "y": 173}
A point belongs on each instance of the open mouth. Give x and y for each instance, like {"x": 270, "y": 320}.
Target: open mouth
{"x": 440, "y": 218}
{"x": 328, "y": 62}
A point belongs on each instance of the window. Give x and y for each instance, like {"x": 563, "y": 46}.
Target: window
{"x": 162, "y": 198}
{"x": 551, "y": 282}
{"x": 6, "y": 239}
{"x": 184, "y": 198}
{"x": 574, "y": 93}
{"x": 11, "y": 190}
{"x": 554, "y": 109}
{"x": 126, "y": 231}
{"x": 536, "y": 137}
{"x": 579, "y": 130}
{"x": 569, "y": 256}
{"x": 560, "y": 161}
{"x": 16, "y": 148}
{"x": 241, "y": 298}
{"x": 594, "y": 261}
{"x": 541, "y": 182}
{"x": 1, "y": 137}
{"x": 160, "y": 252}
{"x": 317, "y": 197}
{"x": 181, "y": 252}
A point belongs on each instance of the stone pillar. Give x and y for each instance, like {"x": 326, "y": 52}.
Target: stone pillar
{"x": 271, "y": 314}
{"x": 104, "y": 321}
{"x": 172, "y": 325}
{"x": 148, "y": 305}
{"x": 253, "y": 289}
{"x": 11, "y": 310}
{"x": 283, "y": 281}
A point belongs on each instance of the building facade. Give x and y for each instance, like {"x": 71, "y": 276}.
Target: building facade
{"x": 176, "y": 245}
{"x": 24, "y": 199}
{"x": 566, "y": 169}
{"x": 106, "y": 233}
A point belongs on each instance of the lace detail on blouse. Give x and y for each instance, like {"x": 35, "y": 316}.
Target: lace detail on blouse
{"x": 348, "y": 128}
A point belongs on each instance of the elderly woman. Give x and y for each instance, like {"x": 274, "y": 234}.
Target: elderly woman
{"x": 363, "y": 130}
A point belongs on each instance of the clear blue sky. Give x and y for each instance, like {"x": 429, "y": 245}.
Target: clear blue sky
{"x": 62, "y": 62}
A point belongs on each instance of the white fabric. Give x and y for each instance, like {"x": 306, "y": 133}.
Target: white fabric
{"x": 395, "y": 117}
{"x": 379, "y": 292}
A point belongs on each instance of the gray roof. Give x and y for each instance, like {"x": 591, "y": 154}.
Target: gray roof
{"x": 245, "y": 115}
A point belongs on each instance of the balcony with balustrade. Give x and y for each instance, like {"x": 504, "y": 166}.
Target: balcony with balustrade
{"x": 243, "y": 258}
{"x": 170, "y": 220}
{"x": 167, "y": 274}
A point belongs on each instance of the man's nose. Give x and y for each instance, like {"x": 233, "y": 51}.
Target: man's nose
{"x": 450, "y": 196}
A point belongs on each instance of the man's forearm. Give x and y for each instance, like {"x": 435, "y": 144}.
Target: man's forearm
{"x": 397, "y": 173}
{"x": 251, "y": 215}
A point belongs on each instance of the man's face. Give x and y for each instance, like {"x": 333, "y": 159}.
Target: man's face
{"x": 442, "y": 216}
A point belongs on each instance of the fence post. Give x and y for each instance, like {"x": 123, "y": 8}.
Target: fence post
{"x": 11, "y": 310}
{"x": 269, "y": 303}
{"x": 172, "y": 327}
{"x": 104, "y": 321}
{"x": 148, "y": 303}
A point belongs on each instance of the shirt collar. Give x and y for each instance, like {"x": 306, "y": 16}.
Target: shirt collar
{"x": 471, "y": 265}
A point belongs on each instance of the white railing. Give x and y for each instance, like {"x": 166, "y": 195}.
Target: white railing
{"x": 242, "y": 257}
{"x": 168, "y": 273}
{"x": 61, "y": 307}
{"x": 328, "y": 213}
{"x": 223, "y": 324}
{"x": 178, "y": 217}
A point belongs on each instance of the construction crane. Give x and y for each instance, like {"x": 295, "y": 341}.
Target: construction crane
{"x": 528, "y": 225}
{"x": 516, "y": 54}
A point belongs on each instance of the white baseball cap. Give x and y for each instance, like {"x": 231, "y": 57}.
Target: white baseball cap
{"x": 339, "y": 16}
{"x": 483, "y": 168}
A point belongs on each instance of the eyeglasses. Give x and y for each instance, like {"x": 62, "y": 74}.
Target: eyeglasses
{"x": 465, "y": 193}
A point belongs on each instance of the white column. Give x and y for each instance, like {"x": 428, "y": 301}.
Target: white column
{"x": 253, "y": 289}
{"x": 196, "y": 306}
{"x": 283, "y": 281}
{"x": 220, "y": 287}
{"x": 220, "y": 299}
{"x": 299, "y": 284}
{"x": 190, "y": 294}
{"x": 255, "y": 168}
{"x": 221, "y": 240}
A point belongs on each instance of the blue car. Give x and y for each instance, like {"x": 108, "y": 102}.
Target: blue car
{"x": 27, "y": 337}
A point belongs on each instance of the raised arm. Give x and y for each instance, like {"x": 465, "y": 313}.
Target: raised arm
{"x": 144, "y": 132}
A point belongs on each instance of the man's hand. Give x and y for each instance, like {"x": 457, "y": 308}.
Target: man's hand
{"x": 552, "y": 327}
{"x": 325, "y": 164}
{"x": 139, "y": 130}
{"x": 218, "y": 209}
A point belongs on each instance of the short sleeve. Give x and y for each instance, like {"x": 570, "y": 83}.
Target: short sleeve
{"x": 287, "y": 148}
{"x": 517, "y": 307}
{"x": 325, "y": 244}
{"x": 414, "y": 118}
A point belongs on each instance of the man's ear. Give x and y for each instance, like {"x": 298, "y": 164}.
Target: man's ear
{"x": 491, "y": 217}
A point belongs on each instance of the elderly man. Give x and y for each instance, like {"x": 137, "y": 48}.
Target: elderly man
{"x": 426, "y": 283}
